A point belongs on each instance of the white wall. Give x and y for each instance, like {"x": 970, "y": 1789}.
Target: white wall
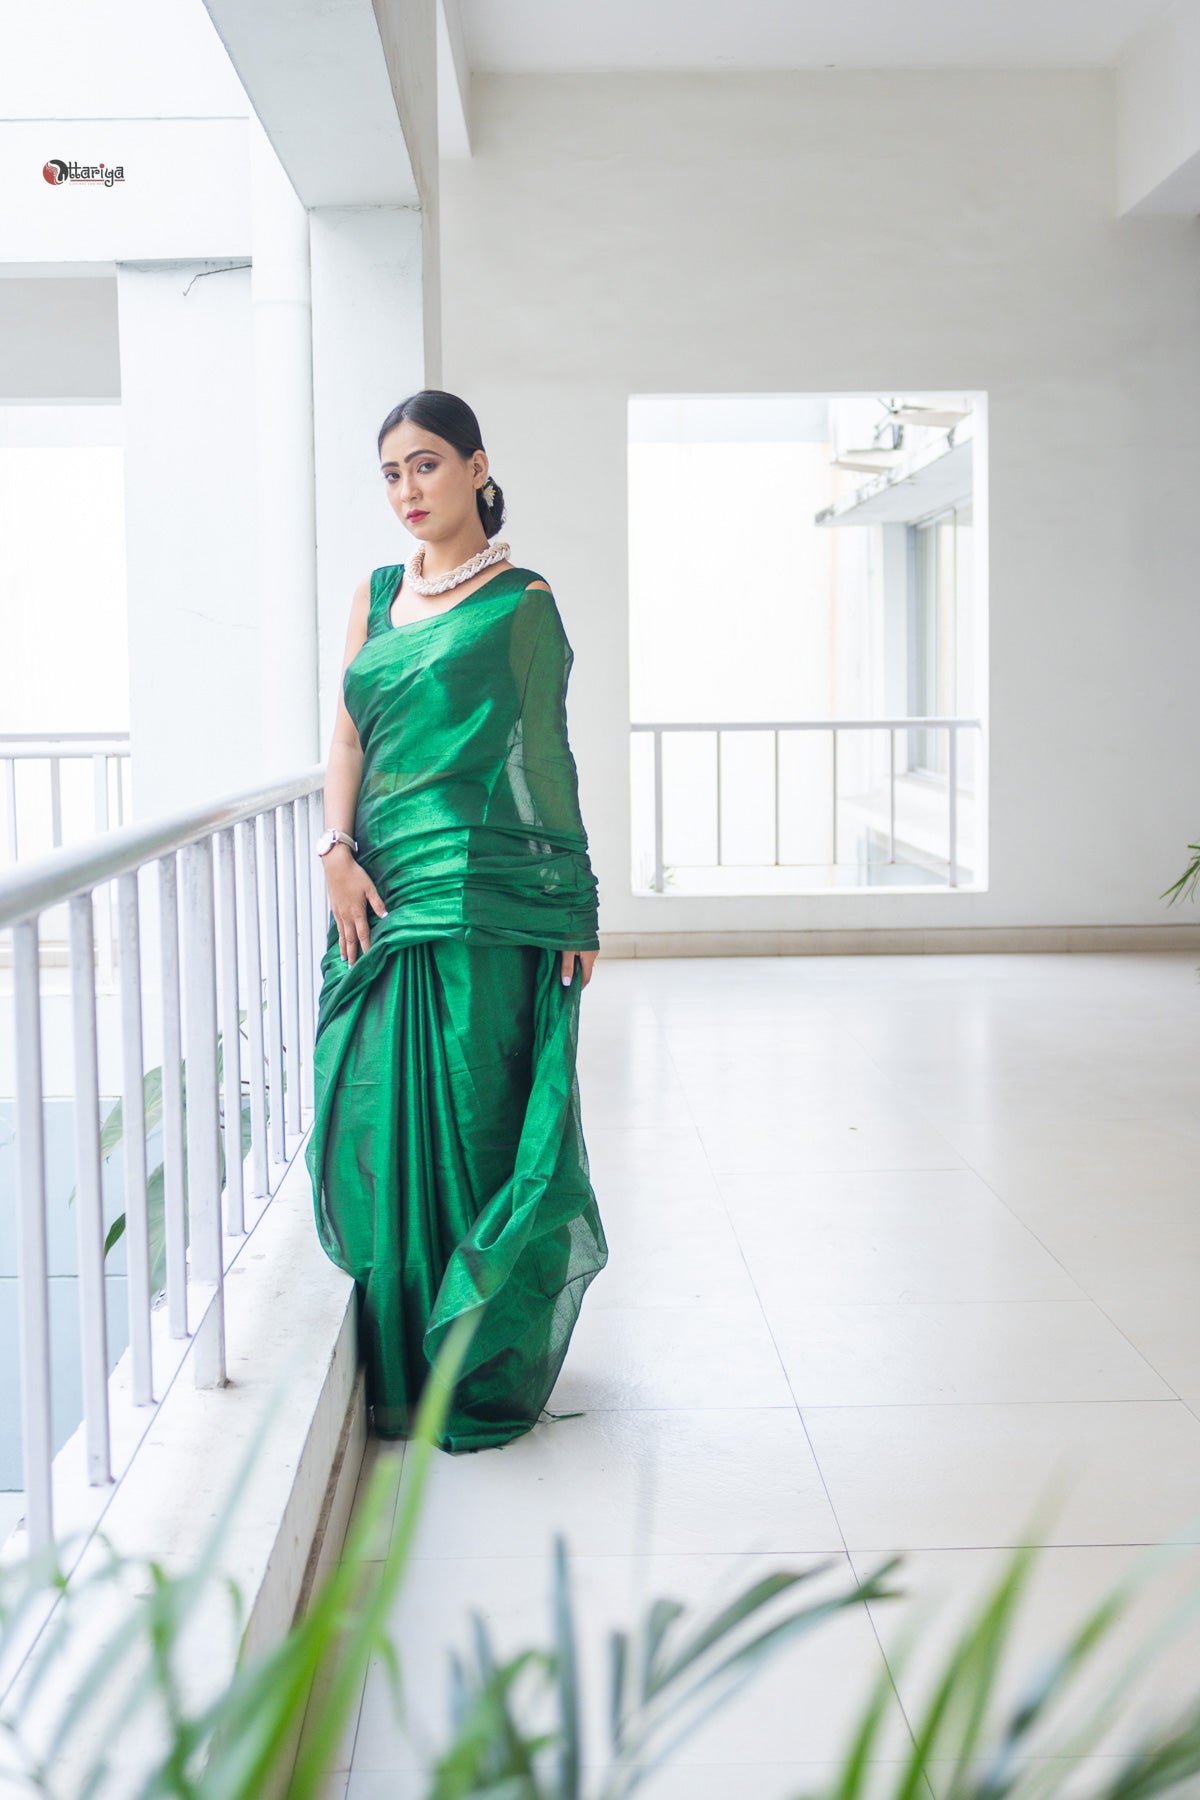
{"x": 854, "y": 230}
{"x": 58, "y": 339}
{"x": 155, "y": 59}
{"x": 196, "y": 671}
{"x": 185, "y": 192}
{"x": 368, "y": 354}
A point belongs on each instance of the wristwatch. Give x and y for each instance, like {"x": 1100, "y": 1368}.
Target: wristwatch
{"x": 329, "y": 838}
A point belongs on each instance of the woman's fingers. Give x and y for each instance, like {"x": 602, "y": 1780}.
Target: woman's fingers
{"x": 349, "y": 937}
{"x": 587, "y": 960}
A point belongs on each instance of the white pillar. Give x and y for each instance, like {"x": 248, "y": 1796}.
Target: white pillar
{"x": 285, "y": 508}
{"x": 369, "y": 352}
{"x": 187, "y": 413}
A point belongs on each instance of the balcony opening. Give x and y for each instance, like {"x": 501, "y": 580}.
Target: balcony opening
{"x": 807, "y": 642}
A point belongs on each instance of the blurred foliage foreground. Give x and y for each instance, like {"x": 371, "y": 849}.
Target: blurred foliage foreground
{"x": 103, "y": 1705}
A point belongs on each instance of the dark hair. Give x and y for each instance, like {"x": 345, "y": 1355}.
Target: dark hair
{"x": 451, "y": 418}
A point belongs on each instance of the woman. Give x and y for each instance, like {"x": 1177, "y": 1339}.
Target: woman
{"x": 448, "y": 1163}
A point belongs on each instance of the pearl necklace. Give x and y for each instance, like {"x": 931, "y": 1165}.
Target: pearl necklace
{"x": 439, "y": 584}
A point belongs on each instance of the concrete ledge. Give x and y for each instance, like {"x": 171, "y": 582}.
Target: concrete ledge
{"x": 294, "y": 1389}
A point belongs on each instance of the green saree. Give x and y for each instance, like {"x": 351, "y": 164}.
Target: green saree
{"x": 447, "y": 1156}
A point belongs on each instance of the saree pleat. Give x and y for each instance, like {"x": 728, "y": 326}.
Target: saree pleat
{"x": 450, "y": 1172}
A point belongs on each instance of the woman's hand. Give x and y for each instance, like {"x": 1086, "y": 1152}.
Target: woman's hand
{"x": 351, "y": 891}
{"x": 586, "y": 957}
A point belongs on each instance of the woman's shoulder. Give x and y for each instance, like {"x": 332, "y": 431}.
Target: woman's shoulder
{"x": 385, "y": 580}
{"x": 530, "y": 578}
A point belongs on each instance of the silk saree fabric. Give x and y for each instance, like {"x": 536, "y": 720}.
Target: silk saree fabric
{"x": 447, "y": 1156}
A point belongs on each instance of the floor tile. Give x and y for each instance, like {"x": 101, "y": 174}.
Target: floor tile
{"x": 922, "y": 1352}
{"x": 704, "y": 1354}
{"x": 630, "y": 1483}
{"x": 798, "y": 1706}
{"x": 670, "y": 1252}
{"x": 944, "y": 1588}
{"x": 906, "y": 1477}
{"x": 932, "y": 1234}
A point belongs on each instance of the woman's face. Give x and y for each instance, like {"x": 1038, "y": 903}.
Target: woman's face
{"x": 429, "y": 486}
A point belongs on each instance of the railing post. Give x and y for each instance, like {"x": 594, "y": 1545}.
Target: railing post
{"x": 718, "y": 796}
{"x": 288, "y": 919}
{"x": 304, "y": 945}
{"x": 206, "y": 1249}
{"x": 133, "y": 1142}
{"x": 952, "y": 778}
{"x": 89, "y": 1205}
{"x": 322, "y": 913}
{"x": 10, "y": 788}
{"x": 251, "y": 937}
{"x": 834, "y": 808}
{"x": 104, "y": 890}
{"x": 775, "y": 742}
{"x": 33, "y": 1284}
{"x": 56, "y": 801}
{"x": 270, "y": 898}
{"x": 175, "y": 1220}
{"x": 231, "y": 1034}
{"x": 658, "y": 811}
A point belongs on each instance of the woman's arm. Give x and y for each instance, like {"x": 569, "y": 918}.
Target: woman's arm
{"x": 351, "y": 889}
{"x": 551, "y": 771}
{"x": 343, "y": 774}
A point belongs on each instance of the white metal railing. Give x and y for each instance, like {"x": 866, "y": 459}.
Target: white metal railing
{"x": 242, "y": 915}
{"x": 658, "y": 729}
{"x": 105, "y": 750}
{"x": 108, "y": 754}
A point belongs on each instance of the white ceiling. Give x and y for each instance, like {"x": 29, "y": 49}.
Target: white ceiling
{"x": 560, "y": 36}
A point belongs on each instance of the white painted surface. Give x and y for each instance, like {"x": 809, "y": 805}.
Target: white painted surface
{"x": 161, "y": 59}
{"x": 504, "y": 36}
{"x": 368, "y": 354}
{"x": 1158, "y": 116}
{"x": 185, "y": 192}
{"x": 65, "y": 662}
{"x": 849, "y": 232}
{"x": 58, "y": 347}
{"x": 316, "y": 76}
{"x": 285, "y": 496}
{"x": 194, "y": 620}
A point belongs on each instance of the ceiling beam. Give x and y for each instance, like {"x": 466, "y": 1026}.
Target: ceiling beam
{"x": 318, "y": 79}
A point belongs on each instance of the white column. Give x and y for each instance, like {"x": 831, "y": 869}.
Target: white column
{"x": 285, "y": 514}
{"x": 369, "y": 352}
{"x": 187, "y": 413}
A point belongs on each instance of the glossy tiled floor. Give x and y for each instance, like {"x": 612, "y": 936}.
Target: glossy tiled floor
{"x": 900, "y": 1248}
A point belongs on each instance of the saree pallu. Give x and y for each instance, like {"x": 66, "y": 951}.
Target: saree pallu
{"x": 450, "y": 1173}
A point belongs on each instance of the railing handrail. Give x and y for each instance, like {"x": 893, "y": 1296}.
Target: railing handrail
{"x": 77, "y": 743}
{"x": 846, "y": 723}
{"x": 28, "y": 888}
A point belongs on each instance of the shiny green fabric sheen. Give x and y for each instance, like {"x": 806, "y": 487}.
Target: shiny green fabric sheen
{"x": 449, "y": 1170}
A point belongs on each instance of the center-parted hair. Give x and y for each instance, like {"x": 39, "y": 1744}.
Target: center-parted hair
{"x": 450, "y": 418}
